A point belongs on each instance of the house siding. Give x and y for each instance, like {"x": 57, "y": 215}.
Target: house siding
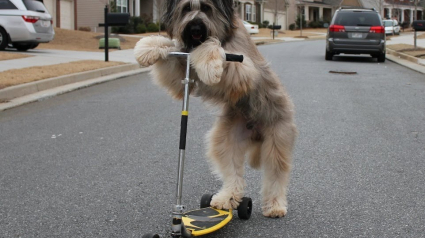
{"x": 90, "y": 13}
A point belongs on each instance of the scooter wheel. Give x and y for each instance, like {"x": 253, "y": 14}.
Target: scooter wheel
{"x": 245, "y": 208}
{"x": 150, "y": 235}
{"x": 206, "y": 200}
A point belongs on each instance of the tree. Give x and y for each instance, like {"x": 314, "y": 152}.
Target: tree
{"x": 278, "y": 8}
{"x": 377, "y": 4}
{"x": 158, "y": 9}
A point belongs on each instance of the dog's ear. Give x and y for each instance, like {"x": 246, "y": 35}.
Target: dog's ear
{"x": 167, "y": 18}
{"x": 226, "y": 8}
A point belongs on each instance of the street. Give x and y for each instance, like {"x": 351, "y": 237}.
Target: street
{"x": 102, "y": 161}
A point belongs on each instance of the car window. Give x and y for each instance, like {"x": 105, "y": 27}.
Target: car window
{"x": 357, "y": 19}
{"x": 36, "y": 6}
{"x": 6, "y": 4}
{"x": 388, "y": 23}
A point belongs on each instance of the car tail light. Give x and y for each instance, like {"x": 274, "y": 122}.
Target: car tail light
{"x": 30, "y": 19}
{"x": 336, "y": 28}
{"x": 377, "y": 29}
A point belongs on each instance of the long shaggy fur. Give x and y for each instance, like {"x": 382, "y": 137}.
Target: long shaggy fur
{"x": 256, "y": 121}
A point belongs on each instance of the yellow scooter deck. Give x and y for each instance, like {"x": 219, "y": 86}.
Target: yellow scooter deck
{"x": 206, "y": 220}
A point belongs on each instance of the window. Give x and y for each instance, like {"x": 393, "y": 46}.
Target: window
{"x": 357, "y": 19}
{"x": 122, "y": 6}
{"x": 6, "y": 4}
{"x": 34, "y": 6}
{"x": 254, "y": 13}
{"x": 248, "y": 12}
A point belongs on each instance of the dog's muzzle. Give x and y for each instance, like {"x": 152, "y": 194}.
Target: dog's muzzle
{"x": 194, "y": 34}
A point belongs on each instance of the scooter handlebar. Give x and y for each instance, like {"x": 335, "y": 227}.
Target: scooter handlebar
{"x": 236, "y": 58}
{"x": 229, "y": 57}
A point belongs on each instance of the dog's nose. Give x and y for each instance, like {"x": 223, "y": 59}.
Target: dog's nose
{"x": 195, "y": 30}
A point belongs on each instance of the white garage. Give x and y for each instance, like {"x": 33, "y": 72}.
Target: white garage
{"x": 62, "y": 12}
{"x": 67, "y": 14}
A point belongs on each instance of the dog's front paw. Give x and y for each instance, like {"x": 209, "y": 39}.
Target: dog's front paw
{"x": 274, "y": 210}
{"x": 150, "y": 49}
{"x": 208, "y": 59}
{"x": 226, "y": 201}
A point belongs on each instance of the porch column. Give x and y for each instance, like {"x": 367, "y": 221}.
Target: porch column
{"x": 242, "y": 6}
{"x": 402, "y": 16}
{"x": 320, "y": 13}
{"x": 412, "y": 12}
{"x": 137, "y": 8}
{"x": 262, "y": 12}
{"x": 306, "y": 13}
{"x": 390, "y": 12}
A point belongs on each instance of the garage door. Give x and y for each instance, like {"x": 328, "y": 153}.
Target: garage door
{"x": 67, "y": 14}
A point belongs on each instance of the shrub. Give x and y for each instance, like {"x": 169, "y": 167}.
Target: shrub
{"x": 314, "y": 24}
{"x": 266, "y": 23}
{"x": 152, "y": 27}
{"x": 292, "y": 26}
{"x": 141, "y": 28}
{"x": 297, "y": 21}
{"x": 84, "y": 28}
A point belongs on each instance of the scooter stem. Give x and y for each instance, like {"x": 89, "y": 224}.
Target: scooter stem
{"x": 178, "y": 226}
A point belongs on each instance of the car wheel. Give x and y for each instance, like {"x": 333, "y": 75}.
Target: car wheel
{"x": 20, "y": 47}
{"x": 3, "y": 39}
{"x": 329, "y": 55}
{"x": 381, "y": 57}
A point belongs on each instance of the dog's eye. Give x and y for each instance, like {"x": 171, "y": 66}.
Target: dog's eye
{"x": 205, "y": 8}
{"x": 186, "y": 8}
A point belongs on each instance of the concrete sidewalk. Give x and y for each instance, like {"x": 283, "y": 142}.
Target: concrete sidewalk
{"x": 42, "y": 57}
{"x": 21, "y": 94}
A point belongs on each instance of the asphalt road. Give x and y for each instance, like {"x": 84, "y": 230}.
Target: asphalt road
{"x": 101, "y": 161}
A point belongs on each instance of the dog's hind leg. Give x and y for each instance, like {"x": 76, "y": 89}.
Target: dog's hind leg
{"x": 276, "y": 159}
{"x": 228, "y": 141}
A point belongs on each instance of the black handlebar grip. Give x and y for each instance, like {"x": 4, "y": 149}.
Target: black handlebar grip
{"x": 232, "y": 57}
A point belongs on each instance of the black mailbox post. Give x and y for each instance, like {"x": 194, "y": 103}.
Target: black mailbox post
{"x": 113, "y": 19}
{"x": 418, "y": 25}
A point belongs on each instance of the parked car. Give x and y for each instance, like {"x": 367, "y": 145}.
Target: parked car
{"x": 251, "y": 28}
{"x": 356, "y": 31}
{"x": 391, "y": 27}
{"x": 24, "y": 24}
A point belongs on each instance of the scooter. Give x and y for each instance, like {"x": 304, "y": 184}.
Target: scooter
{"x": 206, "y": 219}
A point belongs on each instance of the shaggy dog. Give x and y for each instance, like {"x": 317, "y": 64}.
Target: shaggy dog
{"x": 256, "y": 120}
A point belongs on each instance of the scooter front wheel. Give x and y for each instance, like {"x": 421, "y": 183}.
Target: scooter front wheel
{"x": 245, "y": 208}
{"x": 206, "y": 200}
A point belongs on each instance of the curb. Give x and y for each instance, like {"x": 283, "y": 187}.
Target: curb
{"x": 403, "y": 56}
{"x": 405, "y": 60}
{"x": 12, "y": 92}
{"x": 44, "y": 89}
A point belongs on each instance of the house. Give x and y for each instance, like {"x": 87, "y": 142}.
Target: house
{"x": 72, "y": 14}
{"x": 64, "y": 12}
{"x": 401, "y": 10}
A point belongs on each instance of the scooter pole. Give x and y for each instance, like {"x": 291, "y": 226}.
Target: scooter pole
{"x": 178, "y": 227}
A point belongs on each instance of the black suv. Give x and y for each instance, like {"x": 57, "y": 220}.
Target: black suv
{"x": 356, "y": 31}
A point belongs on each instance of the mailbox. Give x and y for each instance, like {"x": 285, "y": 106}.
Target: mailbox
{"x": 118, "y": 19}
{"x": 275, "y": 27}
{"x": 419, "y": 25}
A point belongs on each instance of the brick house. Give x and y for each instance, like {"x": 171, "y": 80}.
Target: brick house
{"x": 71, "y": 14}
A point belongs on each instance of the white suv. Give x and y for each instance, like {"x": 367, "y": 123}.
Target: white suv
{"x": 24, "y": 24}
